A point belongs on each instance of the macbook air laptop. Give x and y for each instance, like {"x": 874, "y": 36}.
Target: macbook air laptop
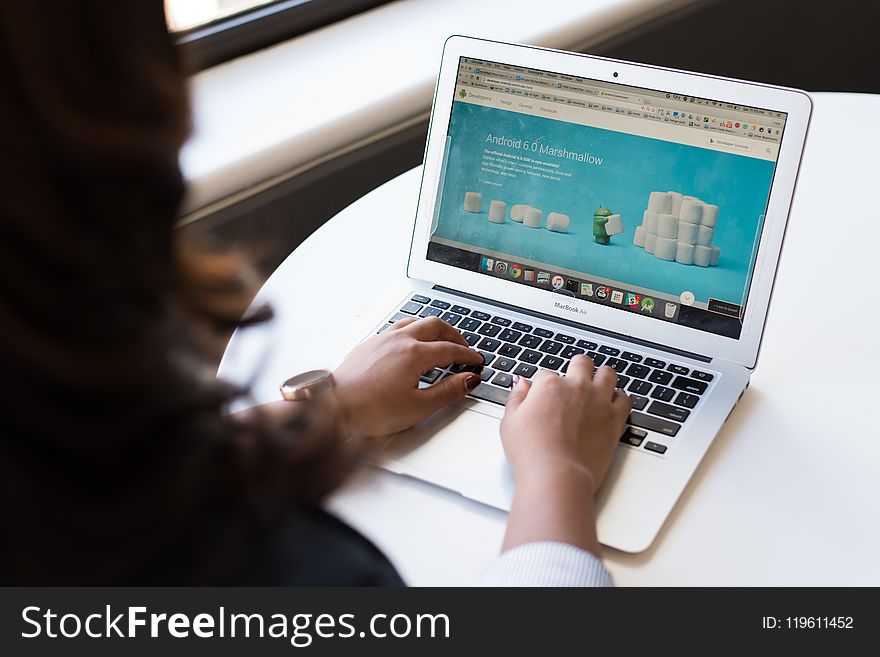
{"x": 577, "y": 205}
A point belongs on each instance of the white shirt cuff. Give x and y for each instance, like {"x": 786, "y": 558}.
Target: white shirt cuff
{"x": 547, "y": 563}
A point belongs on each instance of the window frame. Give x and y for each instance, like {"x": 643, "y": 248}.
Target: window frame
{"x": 242, "y": 33}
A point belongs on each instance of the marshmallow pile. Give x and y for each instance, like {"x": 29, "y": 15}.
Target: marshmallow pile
{"x": 679, "y": 228}
{"x": 522, "y": 214}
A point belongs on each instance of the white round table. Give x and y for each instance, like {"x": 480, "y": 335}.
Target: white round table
{"x": 789, "y": 493}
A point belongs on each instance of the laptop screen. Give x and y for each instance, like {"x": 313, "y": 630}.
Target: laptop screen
{"x": 638, "y": 199}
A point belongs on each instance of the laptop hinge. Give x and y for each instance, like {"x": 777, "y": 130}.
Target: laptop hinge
{"x": 577, "y": 325}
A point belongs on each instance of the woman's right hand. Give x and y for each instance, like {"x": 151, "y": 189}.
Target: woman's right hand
{"x": 559, "y": 435}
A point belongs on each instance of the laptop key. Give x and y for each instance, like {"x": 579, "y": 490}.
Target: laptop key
{"x": 622, "y": 381}
{"x": 501, "y": 321}
{"x": 526, "y": 370}
{"x": 531, "y": 357}
{"x": 443, "y": 305}
{"x": 503, "y": 364}
{"x": 469, "y": 324}
{"x": 628, "y": 355}
{"x": 489, "y": 329}
{"x": 702, "y": 376}
{"x": 451, "y": 318}
{"x": 530, "y": 341}
{"x": 543, "y": 333}
{"x": 638, "y": 402}
{"x": 490, "y": 393}
{"x": 509, "y": 350}
{"x": 480, "y": 315}
{"x": 461, "y": 310}
{"x": 519, "y": 326}
{"x": 509, "y": 335}
{"x": 503, "y": 379}
{"x": 551, "y": 362}
{"x": 586, "y": 344}
{"x": 678, "y": 369}
{"x": 431, "y": 376}
{"x": 570, "y": 352}
{"x": 653, "y": 362}
{"x": 658, "y": 376}
{"x": 640, "y": 387}
{"x": 668, "y": 411}
{"x": 472, "y": 338}
{"x": 551, "y": 347}
{"x": 564, "y": 339}
{"x": 690, "y": 385}
{"x": 611, "y": 351}
{"x": 489, "y": 344}
{"x": 411, "y": 308}
{"x": 487, "y": 357}
{"x": 419, "y": 298}
{"x": 431, "y": 312}
{"x": 397, "y": 317}
{"x": 598, "y": 359}
{"x": 486, "y": 373}
{"x": 638, "y": 371}
{"x": 663, "y": 394}
{"x": 655, "y": 447}
{"x": 633, "y": 436}
{"x": 616, "y": 364}
{"x": 653, "y": 423}
{"x": 686, "y": 400}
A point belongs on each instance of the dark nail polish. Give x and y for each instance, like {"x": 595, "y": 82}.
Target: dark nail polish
{"x": 472, "y": 381}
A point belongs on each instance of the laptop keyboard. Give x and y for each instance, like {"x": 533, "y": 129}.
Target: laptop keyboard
{"x": 664, "y": 394}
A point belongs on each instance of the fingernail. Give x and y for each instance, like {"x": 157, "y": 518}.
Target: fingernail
{"x": 472, "y": 381}
{"x": 515, "y": 379}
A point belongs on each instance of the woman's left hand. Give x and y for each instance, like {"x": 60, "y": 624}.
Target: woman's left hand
{"x": 377, "y": 383}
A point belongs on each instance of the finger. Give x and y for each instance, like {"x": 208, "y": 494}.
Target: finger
{"x": 432, "y": 354}
{"x": 447, "y": 391}
{"x": 518, "y": 395}
{"x": 401, "y": 324}
{"x": 581, "y": 368}
{"x": 621, "y": 403}
{"x": 434, "y": 328}
{"x": 606, "y": 380}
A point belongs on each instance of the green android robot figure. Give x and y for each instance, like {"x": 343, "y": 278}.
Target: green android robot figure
{"x": 600, "y": 218}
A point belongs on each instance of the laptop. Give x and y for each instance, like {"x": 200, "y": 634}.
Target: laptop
{"x": 572, "y": 204}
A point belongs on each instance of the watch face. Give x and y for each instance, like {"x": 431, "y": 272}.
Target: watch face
{"x": 306, "y": 379}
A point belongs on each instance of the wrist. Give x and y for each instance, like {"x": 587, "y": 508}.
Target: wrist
{"x": 553, "y": 472}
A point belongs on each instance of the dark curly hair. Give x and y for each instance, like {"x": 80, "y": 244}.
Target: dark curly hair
{"x": 117, "y": 460}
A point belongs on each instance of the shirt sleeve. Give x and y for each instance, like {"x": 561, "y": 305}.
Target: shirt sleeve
{"x": 547, "y": 563}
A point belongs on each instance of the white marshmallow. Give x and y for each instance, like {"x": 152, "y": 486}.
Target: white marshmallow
{"x": 533, "y": 217}
{"x": 497, "y": 211}
{"x": 684, "y": 253}
{"x": 517, "y": 212}
{"x": 650, "y": 242}
{"x": 691, "y": 211}
{"x": 687, "y": 232}
{"x": 667, "y": 226}
{"x": 473, "y": 202}
{"x": 665, "y": 248}
{"x": 710, "y": 215}
{"x": 702, "y": 256}
{"x": 639, "y": 237}
{"x": 676, "y": 202}
{"x": 614, "y": 225}
{"x": 660, "y": 202}
{"x": 705, "y": 235}
{"x": 713, "y": 258}
{"x": 557, "y": 222}
{"x": 650, "y": 222}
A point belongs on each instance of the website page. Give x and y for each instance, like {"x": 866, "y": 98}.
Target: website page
{"x": 640, "y": 199}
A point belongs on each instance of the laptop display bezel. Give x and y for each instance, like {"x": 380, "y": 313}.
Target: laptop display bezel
{"x": 743, "y": 350}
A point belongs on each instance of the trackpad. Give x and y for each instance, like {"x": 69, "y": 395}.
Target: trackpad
{"x": 457, "y": 449}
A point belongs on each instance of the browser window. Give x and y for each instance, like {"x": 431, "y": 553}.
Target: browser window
{"x": 640, "y": 199}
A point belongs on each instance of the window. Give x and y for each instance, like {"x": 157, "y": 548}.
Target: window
{"x": 214, "y": 31}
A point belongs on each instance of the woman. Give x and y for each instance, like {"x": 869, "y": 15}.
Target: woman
{"x": 118, "y": 462}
